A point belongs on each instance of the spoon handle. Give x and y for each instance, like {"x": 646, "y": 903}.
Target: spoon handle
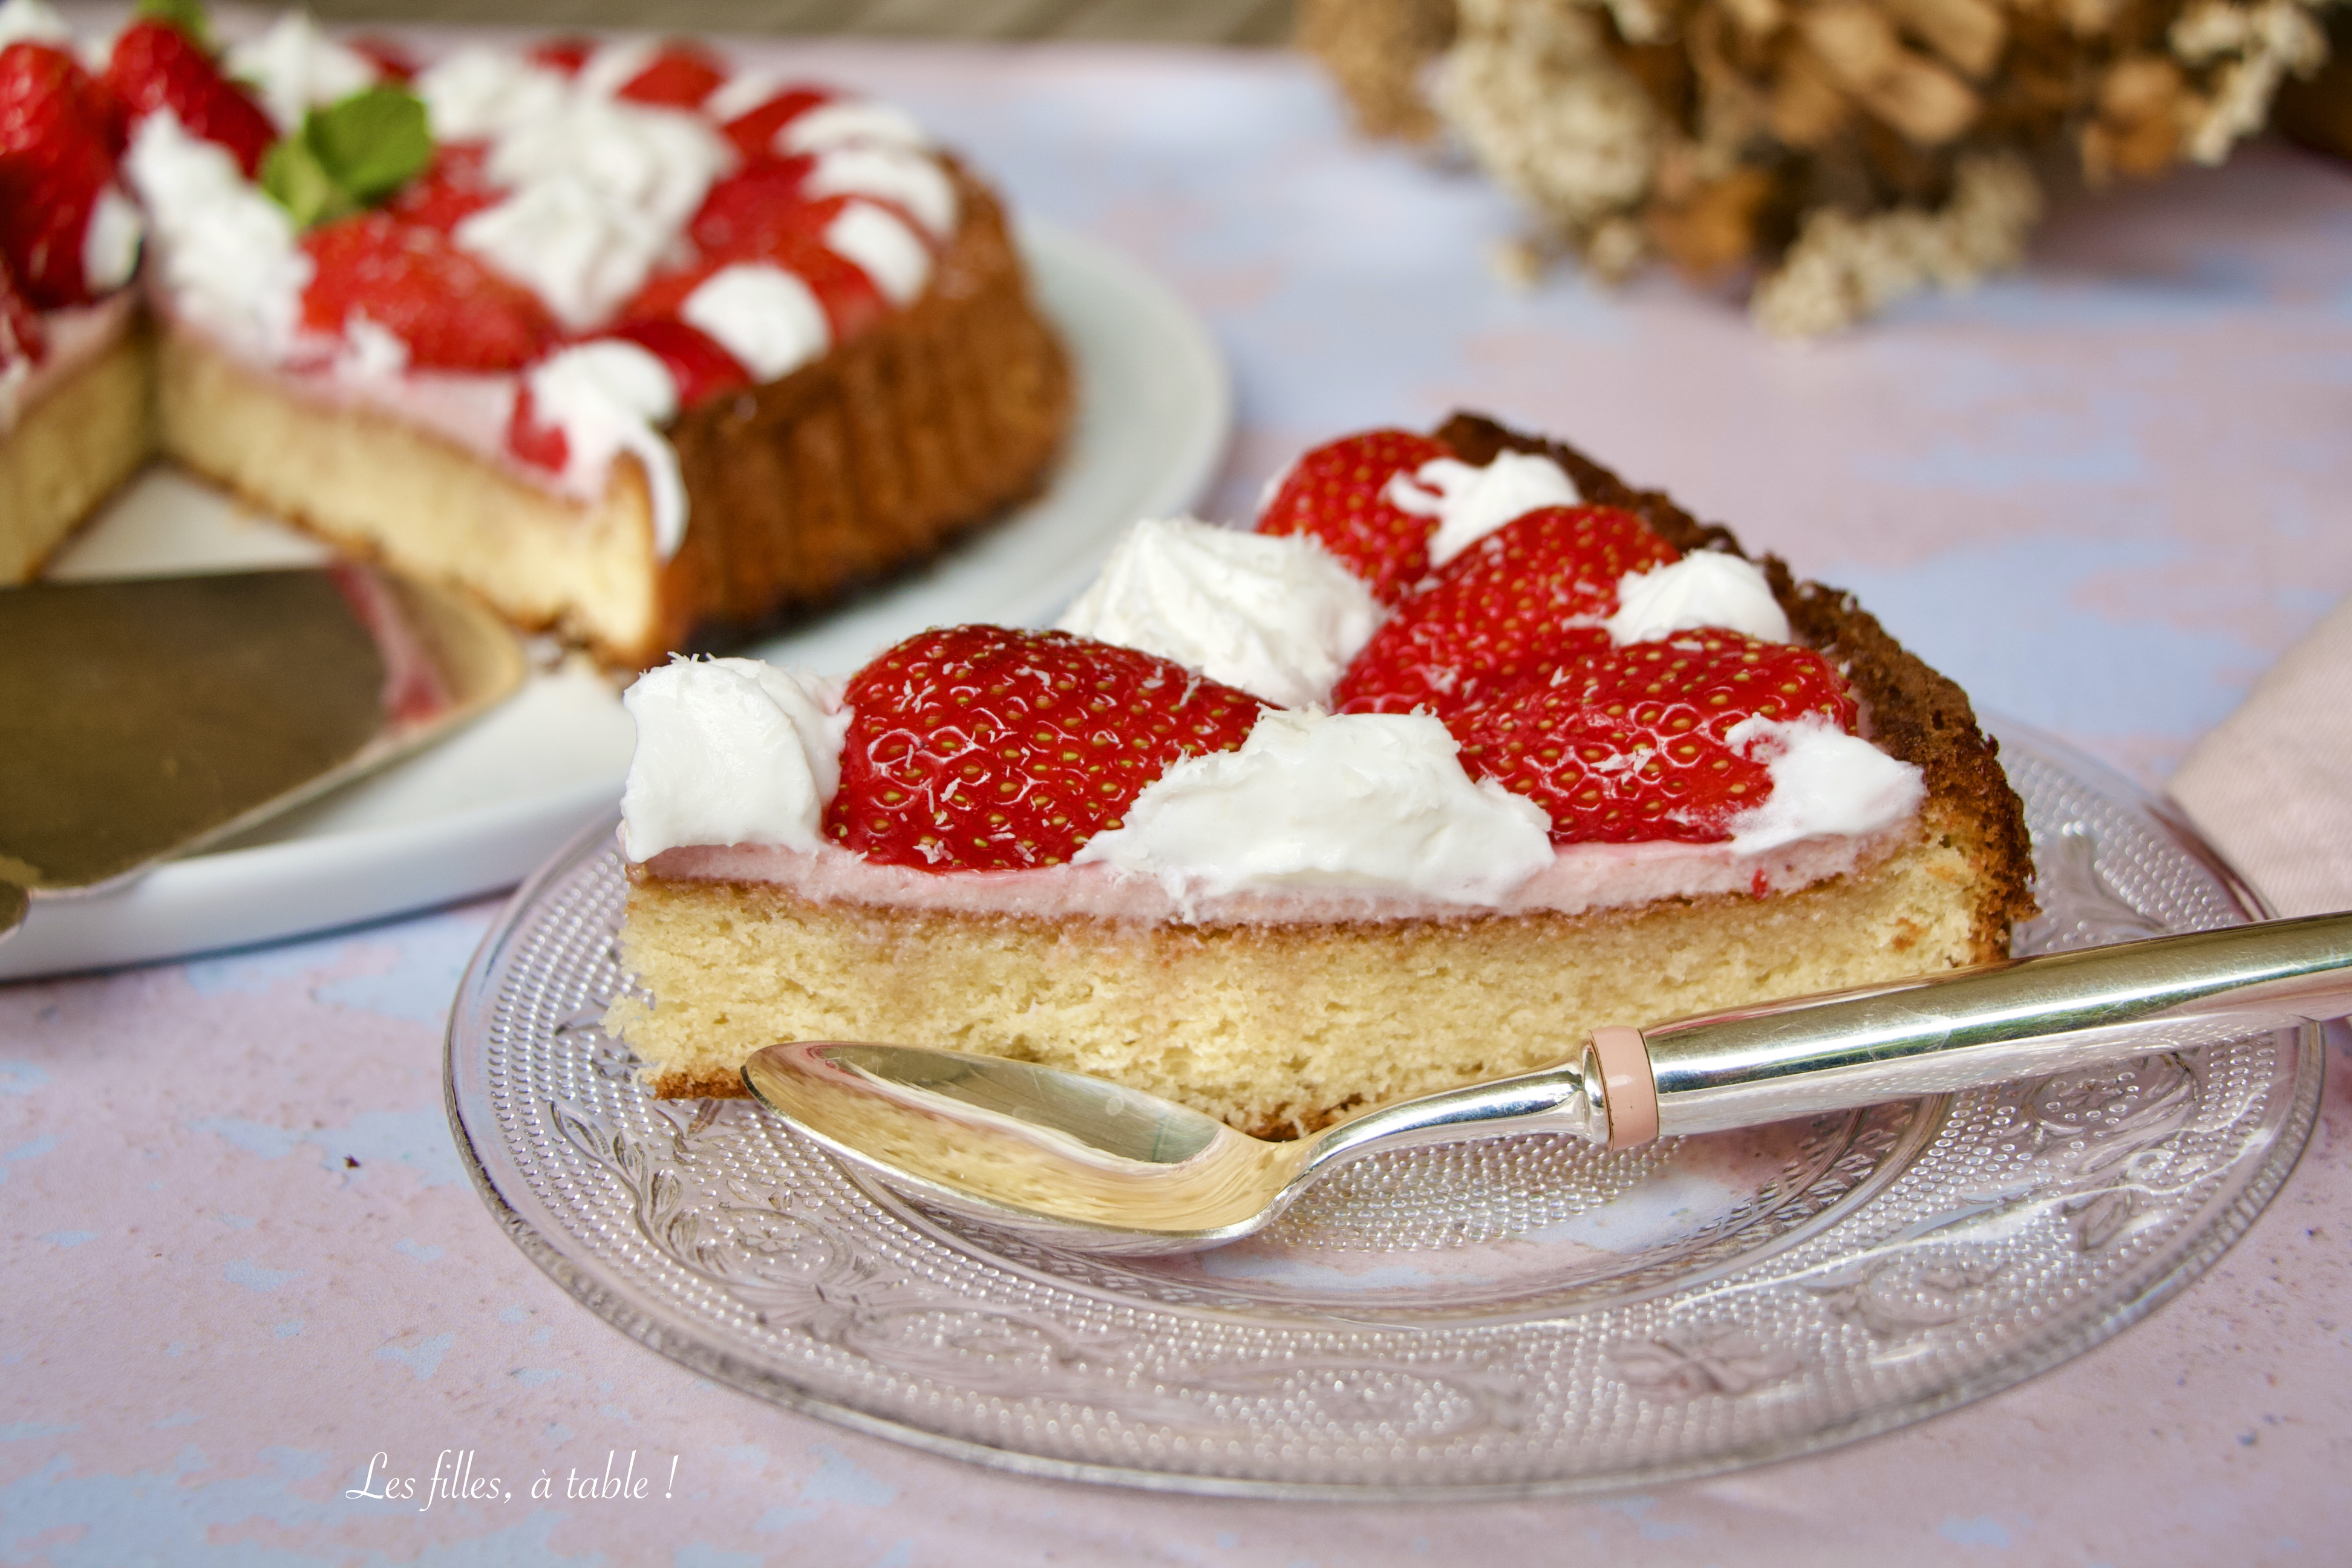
{"x": 2024, "y": 1019}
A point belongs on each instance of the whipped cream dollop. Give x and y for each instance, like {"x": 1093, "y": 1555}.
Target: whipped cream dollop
{"x": 109, "y": 242}
{"x": 730, "y": 751}
{"x": 609, "y": 66}
{"x": 742, "y": 93}
{"x": 597, "y": 187}
{"x": 849, "y": 121}
{"x": 479, "y": 93}
{"x": 1316, "y": 801}
{"x": 294, "y": 67}
{"x": 884, "y": 248}
{"x": 912, "y": 178}
{"x": 1276, "y": 615}
{"x": 1469, "y": 503}
{"x": 1825, "y": 784}
{"x": 610, "y": 397}
{"x": 369, "y": 353}
{"x": 227, "y": 255}
{"x": 33, "y": 22}
{"x": 769, "y": 319}
{"x": 1704, "y": 588}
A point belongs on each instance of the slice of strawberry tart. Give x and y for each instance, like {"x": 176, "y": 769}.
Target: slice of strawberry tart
{"x": 1467, "y": 748}
{"x": 74, "y": 408}
{"x": 638, "y": 348}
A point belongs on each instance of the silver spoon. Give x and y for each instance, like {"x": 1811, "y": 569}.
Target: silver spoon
{"x": 1082, "y": 1164}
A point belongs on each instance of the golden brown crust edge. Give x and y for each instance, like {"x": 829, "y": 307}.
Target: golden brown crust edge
{"x": 1917, "y": 714}
{"x": 917, "y": 430}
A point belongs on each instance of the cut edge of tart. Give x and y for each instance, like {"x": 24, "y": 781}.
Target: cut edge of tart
{"x": 874, "y": 456}
{"x": 1281, "y": 1025}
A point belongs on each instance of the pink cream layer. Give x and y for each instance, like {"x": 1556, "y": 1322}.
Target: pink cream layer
{"x": 470, "y": 410}
{"x": 1581, "y": 876}
{"x": 74, "y": 338}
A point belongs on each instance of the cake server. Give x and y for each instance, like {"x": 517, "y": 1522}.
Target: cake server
{"x": 144, "y": 718}
{"x": 1081, "y": 1164}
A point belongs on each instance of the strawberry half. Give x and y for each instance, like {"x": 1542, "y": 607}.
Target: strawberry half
{"x": 1335, "y": 493}
{"x": 679, "y": 77}
{"x": 754, "y": 131}
{"x": 56, "y": 161}
{"x": 156, "y": 66}
{"x": 1511, "y": 609}
{"x": 452, "y": 312}
{"x": 702, "y": 368}
{"x": 564, "y": 55}
{"x": 981, "y": 748}
{"x": 454, "y": 186}
{"x": 1630, "y": 745}
{"x": 758, "y": 214}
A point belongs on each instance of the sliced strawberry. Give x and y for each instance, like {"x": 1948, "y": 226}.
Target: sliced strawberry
{"x": 758, "y": 214}
{"x": 754, "y": 131}
{"x": 681, "y": 77}
{"x": 536, "y": 442}
{"x": 156, "y": 66}
{"x": 452, "y": 312}
{"x": 454, "y": 187}
{"x": 1630, "y": 745}
{"x": 56, "y": 161}
{"x": 565, "y": 55}
{"x": 1335, "y": 493}
{"x": 700, "y": 367}
{"x": 851, "y": 301}
{"x": 1512, "y": 608}
{"x": 746, "y": 213}
{"x": 980, "y": 749}
{"x": 21, "y": 338}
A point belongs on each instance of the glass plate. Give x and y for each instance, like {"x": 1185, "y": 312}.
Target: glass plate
{"x": 1519, "y": 1317}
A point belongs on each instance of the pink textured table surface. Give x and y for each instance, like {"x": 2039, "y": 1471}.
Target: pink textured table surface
{"x": 247, "y": 1279}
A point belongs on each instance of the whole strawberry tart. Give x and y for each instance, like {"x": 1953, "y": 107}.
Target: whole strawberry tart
{"x": 1466, "y": 749}
{"x": 641, "y": 349}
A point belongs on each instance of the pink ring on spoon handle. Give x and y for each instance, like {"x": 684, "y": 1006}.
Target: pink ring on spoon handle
{"x": 1629, "y": 1091}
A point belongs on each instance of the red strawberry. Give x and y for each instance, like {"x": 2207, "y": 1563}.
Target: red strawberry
{"x": 754, "y": 131}
{"x": 700, "y": 367}
{"x": 156, "y": 66}
{"x": 452, "y": 312}
{"x": 851, "y": 301}
{"x": 681, "y": 77}
{"x": 980, "y": 749}
{"x": 1630, "y": 745}
{"x": 1495, "y": 615}
{"x": 1334, "y": 493}
{"x": 757, "y": 214}
{"x": 21, "y": 338}
{"x": 565, "y": 55}
{"x": 56, "y": 161}
{"x": 536, "y": 442}
{"x": 454, "y": 187}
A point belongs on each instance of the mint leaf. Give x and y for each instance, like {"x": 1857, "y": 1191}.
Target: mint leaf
{"x": 353, "y": 154}
{"x": 187, "y": 15}
{"x": 373, "y": 142}
{"x": 293, "y": 177}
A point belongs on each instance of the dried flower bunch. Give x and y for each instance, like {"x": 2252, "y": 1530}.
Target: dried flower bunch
{"x": 1849, "y": 151}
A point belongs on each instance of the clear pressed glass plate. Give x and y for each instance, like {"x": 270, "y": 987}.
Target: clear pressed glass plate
{"x": 1517, "y": 1317}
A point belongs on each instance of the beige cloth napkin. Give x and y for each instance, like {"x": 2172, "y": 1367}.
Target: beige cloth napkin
{"x": 2271, "y": 784}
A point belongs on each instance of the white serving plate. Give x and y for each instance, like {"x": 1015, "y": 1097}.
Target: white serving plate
{"x": 480, "y": 810}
